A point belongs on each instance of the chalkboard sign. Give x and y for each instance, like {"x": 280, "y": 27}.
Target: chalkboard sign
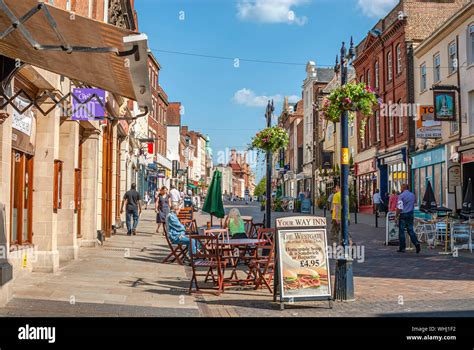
{"x": 391, "y": 229}
{"x": 302, "y": 259}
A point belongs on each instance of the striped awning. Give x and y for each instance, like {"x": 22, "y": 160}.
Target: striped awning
{"x": 93, "y": 52}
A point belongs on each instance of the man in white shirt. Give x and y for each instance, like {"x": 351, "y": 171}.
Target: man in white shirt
{"x": 175, "y": 196}
{"x": 377, "y": 200}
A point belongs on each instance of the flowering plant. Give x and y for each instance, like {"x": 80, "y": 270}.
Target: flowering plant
{"x": 270, "y": 139}
{"x": 349, "y": 97}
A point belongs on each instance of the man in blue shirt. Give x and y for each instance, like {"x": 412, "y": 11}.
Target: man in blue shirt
{"x": 405, "y": 208}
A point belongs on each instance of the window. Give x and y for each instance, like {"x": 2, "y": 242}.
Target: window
{"x": 68, "y": 5}
{"x": 361, "y": 79}
{"x": 423, "y": 77}
{"x": 399, "y": 59}
{"x": 436, "y": 68}
{"x": 452, "y": 56}
{"x": 58, "y": 184}
{"x": 453, "y": 127}
{"x": 377, "y": 126}
{"x": 389, "y": 66}
{"x": 400, "y": 116}
{"x": 329, "y": 132}
{"x": 390, "y": 122}
{"x": 369, "y": 131}
{"x": 471, "y": 112}
{"x": 471, "y": 43}
{"x": 368, "y": 78}
{"x": 351, "y": 128}
{"x": 376, "y": 69}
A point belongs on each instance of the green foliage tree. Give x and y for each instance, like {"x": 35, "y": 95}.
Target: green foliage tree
{"x": 260, "y": 189}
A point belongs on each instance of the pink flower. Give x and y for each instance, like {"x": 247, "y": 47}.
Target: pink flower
{"x": 348, "y": 100}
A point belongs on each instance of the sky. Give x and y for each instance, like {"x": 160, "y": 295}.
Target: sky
{"x": 225, "y": 98}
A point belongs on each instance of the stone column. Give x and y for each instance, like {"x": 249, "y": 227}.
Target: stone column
{"x": 5, "y": 179}
{"x": 45, "y": 220}
{"x": 90, "y": 190}
{"x": 67, "y": 218}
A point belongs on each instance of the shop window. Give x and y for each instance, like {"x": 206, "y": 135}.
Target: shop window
{"x": 471, "y": 112}
{"x": 58, "y": 184}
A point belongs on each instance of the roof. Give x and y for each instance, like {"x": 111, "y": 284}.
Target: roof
{"x": 325, "y": 74}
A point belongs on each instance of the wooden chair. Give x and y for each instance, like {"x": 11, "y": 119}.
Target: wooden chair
{"x": 248, "y": 224}
{"x": 186, "y": 213}
{"x": 177, "y": 251}
{"x": 191, "y": 226}
{"x": 262, "y": 266}
{"x": 208, "y": 256}
{"x": 255, "y": 227}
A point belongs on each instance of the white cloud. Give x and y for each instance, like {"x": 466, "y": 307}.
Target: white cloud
{"x": 247, "y": 97}
{"x": 270, "y": 11}
{"x": 294, "y": 98}
{"x": 376, "y": 8}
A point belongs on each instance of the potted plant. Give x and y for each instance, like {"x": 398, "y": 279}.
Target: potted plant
{"x": 352, "y": 97}
{"x": 271, "y": 139}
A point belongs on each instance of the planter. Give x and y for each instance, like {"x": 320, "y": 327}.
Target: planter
{"x": 271, "y": 139}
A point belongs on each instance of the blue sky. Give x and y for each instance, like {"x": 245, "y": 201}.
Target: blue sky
{"x": 227, "y": 102}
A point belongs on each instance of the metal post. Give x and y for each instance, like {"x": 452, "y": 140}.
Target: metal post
{"x": 356, "y": 209}
{"x": 268, "y": 206}
{"x": 344, "y": 280}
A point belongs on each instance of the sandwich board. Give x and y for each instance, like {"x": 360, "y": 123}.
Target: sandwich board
{"x": 302, "y": 271}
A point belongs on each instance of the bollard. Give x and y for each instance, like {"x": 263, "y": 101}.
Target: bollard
{"x": 376, "y": 219}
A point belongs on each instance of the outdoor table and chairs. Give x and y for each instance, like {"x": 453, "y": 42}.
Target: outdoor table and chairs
{"x": 221, "y": 254}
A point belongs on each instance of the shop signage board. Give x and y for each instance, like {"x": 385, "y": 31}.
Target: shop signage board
{"x": 302, "y": 259}
{"x": 88, "y": 104}
{"x": 454, "y": 177}
{"x": 391, "y": 229}
{"x": 22, "y": 121}
{"x": 427, "y": 132}
{"x": 444, "y": 106}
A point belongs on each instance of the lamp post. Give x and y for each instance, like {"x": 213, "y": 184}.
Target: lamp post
{"x": 344, "y": 281}
{"x": 268, "y": 207}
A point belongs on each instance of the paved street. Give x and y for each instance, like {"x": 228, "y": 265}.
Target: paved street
{"x": 125, "y": 277}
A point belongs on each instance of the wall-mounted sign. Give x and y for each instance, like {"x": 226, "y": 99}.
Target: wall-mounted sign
{"x": 327, "y": 161}
{"x": 444, "y": 105}
{"x": 427, "y": 132}
{"x": 88, "y": 104}
{"x": 454, "y": 177}
{"x": 302, "y": 256}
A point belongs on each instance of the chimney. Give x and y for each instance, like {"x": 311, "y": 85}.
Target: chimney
{"x": 233, "y": 156}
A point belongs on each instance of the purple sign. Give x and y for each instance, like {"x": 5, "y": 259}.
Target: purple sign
{"x": 88, "y": 104}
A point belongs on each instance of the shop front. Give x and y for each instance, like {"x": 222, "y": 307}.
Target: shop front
{"x": 393, "y": 172}
{"x": 429, "y": 166}
{"x": 467, "y": 164}
{"x": 366, "y": 174}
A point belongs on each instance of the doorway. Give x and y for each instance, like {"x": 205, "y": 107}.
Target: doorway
{"x": 21, "y": 200}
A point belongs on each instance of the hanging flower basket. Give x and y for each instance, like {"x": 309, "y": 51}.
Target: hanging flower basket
{"x": 350, "y": 97}
{"x": 270, "y": 139}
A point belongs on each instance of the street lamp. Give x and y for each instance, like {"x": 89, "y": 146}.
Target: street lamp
{"x": 344, "y": 281}
{"x": 268, "y": 207}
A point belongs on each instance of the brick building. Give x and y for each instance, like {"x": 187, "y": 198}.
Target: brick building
{"x": 384, "y": 60}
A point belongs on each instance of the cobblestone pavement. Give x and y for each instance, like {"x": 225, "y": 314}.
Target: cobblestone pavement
{"x": 125, "y": 277}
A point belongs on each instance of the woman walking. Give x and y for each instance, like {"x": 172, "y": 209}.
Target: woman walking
{"x": 162, "y": 207}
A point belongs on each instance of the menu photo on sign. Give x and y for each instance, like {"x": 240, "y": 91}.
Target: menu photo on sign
{"x": 303, "y": 266}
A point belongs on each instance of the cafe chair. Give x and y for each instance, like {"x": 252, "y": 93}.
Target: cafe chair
{"x": 209, "y": 257}
{"x": 263, "y": 264}
{"x": 177, "y": 251}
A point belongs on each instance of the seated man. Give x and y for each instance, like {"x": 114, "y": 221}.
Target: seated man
{"x": 176, "y": 230}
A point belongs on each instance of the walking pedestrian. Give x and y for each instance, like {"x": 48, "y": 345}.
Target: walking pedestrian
{"x": 174, "y": 194}
{"x": 162, "y": 207}
{"x": 146, "y": 199}
{"x": 405, "y": 218}
{"x": 329, "y": 200}
{"x": 336, "y": 214}
{"x": 377, "y": 199}
{"x": 393, "y": 201}
{"x": 133, "y": 209}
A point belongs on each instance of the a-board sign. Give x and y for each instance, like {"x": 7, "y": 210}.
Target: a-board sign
{"x": 391, "y": 229}
{"x": 302, "y": 258}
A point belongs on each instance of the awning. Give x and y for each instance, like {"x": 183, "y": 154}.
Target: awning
{"x": 96, "y": 53}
